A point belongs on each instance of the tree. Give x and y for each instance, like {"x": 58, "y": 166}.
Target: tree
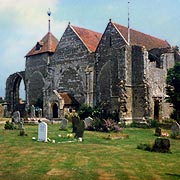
{"x": 173, "y": 89}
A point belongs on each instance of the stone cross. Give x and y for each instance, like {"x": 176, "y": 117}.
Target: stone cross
{"x": 42, "y": 132}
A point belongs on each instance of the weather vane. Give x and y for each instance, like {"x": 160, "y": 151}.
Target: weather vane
{"x": 49, "y": 25}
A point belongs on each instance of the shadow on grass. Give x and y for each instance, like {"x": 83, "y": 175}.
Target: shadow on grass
{"x": 173, "y": 175}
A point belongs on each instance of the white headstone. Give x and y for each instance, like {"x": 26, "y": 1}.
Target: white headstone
{"x": 42, "y": 132}
{"x": 88, "y": 122}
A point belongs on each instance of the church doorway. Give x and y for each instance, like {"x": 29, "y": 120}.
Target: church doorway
{"x": 55, "y": 110}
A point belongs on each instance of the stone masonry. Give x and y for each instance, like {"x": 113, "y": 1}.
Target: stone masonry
{"x": 99, "y": 69}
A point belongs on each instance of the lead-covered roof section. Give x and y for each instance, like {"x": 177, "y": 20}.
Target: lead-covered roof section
{"x": 141, "y": 39}
{"x": 47, "y": 44}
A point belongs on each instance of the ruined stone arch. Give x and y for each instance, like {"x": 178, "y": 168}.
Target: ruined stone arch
{"x": 35, "y": 86}
{"x": 12, "y": 90}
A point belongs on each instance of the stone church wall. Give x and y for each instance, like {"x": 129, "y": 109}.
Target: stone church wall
{"x": 69, "y": 63}
{"x": 110, "y": 68}
{"x": 138, "y": 86}
{"x": 35, "y": 73}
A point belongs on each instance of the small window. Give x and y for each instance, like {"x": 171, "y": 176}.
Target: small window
{"x": 38, "y": 46}
{"x": 110, "y": 41}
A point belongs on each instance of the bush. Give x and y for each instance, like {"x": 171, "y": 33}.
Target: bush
{"x": 9, "y": 125}
{"x": 104, "y": 125}
{"x": 85, "y": 111}
{"x": 154, "y": 123}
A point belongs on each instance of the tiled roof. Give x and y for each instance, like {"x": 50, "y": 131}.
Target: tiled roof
{"x": 47, "y": 44}
{"x": 141, "y": 39}
{"x": 88, "y": 37}
{"x": 68, "y": 99}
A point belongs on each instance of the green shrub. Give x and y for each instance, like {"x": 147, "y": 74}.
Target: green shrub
{"x": 154, "y": 123}
{"x": 85, "y": 111}
{"x": 9, "y": 125}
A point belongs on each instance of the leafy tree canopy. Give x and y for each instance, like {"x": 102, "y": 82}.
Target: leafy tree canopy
{"x": 173, "y": 88}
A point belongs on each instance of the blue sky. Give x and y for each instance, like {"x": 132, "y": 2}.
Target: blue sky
{"x": 24, "y": 22}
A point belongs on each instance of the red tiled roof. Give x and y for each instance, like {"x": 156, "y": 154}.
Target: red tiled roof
{"x": 141, "y": 39}
{"x": 89, "y": 38}
{"x": 68, "y": 99}
{"x": 48, "y": 44}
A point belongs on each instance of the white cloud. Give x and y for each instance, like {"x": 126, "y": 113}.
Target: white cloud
{"x": 23, "y": 23}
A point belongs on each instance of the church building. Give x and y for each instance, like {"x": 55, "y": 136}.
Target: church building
{"x": 121, "y": 70}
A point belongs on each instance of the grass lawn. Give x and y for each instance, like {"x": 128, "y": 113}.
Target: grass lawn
{"x": 96, "y": 158}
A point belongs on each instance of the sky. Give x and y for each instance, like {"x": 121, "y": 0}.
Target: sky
{"x": 24, "y": 22}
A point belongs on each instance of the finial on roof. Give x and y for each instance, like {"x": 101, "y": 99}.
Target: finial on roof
{"x": 69, "y": 23}
{"x": 49, "y": 24}
{"x": 110, "y": 20}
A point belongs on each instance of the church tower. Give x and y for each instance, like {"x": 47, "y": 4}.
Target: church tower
{"x": 37, "y": 61}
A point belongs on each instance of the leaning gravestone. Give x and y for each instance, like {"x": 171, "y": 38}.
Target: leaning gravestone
{"x": 42, "y": 132}
{"x": 16, "y": 117}
{"x": 175, "y": 129}
{"x": 63, "y": 124}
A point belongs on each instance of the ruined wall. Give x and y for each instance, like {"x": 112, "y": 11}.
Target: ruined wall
{"x": 138, "y": 83}
{"x": 69, "y": 63}
{"x": 12, "y": 90}
{"x": 156, "y": 76}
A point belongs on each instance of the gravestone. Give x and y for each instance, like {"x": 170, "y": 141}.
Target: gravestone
{"x": 158, "y": 131}
{"x": 175, "y": 129}
{"x": 88, "y": 122}
{"x": 78, "y": 127}
{"x": 75, "y": 122}
{"x": 16, "y": 117}
{"x": 32, "y": 111}
{"x": 42, "y": 132}
{"x": 40, "y": 112}
{"x": 20, "y": 125}
{"x": 63, "y": 124}
{"x": 161, "y": 145}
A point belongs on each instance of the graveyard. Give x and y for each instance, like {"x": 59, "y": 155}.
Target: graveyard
{"x": 61, "y": 156}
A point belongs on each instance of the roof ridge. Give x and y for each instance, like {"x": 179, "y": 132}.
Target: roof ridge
{"x": 148, "y": 40}
{"x": 131, "y": 29}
